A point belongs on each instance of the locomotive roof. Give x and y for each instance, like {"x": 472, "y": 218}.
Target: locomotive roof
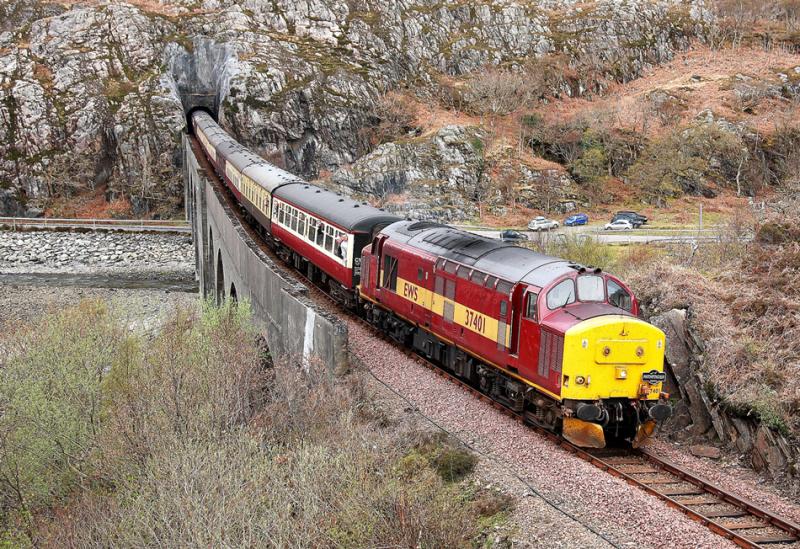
{"x": 488, "y": 255}
{"x": 349, "y": 214}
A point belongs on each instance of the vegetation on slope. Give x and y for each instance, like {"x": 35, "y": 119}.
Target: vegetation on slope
{"x": 197, "y": 438}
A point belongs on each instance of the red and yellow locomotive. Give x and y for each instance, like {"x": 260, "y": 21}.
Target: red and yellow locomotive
{"x": 550, "y": 339}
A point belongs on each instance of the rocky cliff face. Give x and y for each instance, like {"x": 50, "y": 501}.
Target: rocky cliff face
{"x": 90, "y": 95}
{"x": 699, "y": 417}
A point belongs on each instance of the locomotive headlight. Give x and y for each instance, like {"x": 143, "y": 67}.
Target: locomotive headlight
{"x": 622, "y": 373}
{"x": 580, "y": 380}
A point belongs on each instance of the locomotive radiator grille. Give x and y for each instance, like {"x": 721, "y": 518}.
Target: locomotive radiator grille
{"x": 551, "y": 353}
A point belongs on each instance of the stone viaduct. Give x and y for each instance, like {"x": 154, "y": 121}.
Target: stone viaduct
{"x": 230, "y": 263}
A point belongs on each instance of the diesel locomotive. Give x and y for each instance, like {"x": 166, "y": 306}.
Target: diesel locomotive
{"x": 558, "y": 343}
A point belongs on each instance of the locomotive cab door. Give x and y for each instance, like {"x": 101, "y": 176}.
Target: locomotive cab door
{"x": 530, "y": 334}
{"x": 377, "y": 254}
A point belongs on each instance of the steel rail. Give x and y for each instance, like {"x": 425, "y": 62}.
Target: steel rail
{"x": 594, "y": 457}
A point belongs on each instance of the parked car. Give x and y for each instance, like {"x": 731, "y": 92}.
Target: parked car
{"x": 542, "y": 224}
{"x": 577, "y": 219}
{"x": 619, "y": 225}
{"x": 636, "y": 219}
{"x": 512, "y": 236}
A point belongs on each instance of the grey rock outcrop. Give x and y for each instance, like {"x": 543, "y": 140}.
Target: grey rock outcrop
{"x": 436, "y": 177}
{"x": 447, "y": 176}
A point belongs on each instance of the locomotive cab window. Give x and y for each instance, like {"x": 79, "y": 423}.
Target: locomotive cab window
{"x": 561, "y": 295}
{"x": 530, "y": 305}
{"x": 591, "y": 288}
{"x": 390, "y": 272}
{"x": 618, "y": 297}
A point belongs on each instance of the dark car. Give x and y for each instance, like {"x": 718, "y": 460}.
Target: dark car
{"x": 577, "y": 219}
{"x": 512, "y": 236}
{"x": 636, "y": 219}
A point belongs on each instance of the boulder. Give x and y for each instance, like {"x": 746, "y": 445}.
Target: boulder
{"x": 701, "y": 450}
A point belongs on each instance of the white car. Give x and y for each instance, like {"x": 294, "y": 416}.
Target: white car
{"x": 542, "y": 224}
{"x": 619, "y": 225}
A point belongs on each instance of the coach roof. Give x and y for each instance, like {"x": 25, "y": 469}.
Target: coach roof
{"x": 485, "y": 254}
{"x": 345, "y": 212}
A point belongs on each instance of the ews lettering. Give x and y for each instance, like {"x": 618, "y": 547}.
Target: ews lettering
{"x": 475, "y": 321}
{"x": 410, "y": 291}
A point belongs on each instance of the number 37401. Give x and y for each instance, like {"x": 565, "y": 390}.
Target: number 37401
{"x": 476, "y": 321}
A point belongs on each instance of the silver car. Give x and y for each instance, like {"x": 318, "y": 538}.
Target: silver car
{"x": 541, "y": 223}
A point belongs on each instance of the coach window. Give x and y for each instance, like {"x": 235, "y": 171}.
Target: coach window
{"x": 618, "y": 296}
{"x": 312, "y": 228}
{"x": 530, "y": 305}
{"x": 301, "y": 223}
{"x": 562, "y": 294}
{"x": 294, "y": 219}
{"x": 321, "y": 234}
{"x": 329, "y": 238}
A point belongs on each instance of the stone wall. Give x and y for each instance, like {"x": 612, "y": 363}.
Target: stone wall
{"x": 231, "y": 264}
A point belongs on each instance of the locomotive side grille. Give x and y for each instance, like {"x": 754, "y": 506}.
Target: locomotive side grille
{"x": 501, "y": 335}
{"x": 551, "y": 353}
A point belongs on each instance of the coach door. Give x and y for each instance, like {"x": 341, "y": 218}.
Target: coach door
{"x": 529, "y": 336}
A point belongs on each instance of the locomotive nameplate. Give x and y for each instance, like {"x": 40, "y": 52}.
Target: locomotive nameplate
{"x": 654, "y": 376}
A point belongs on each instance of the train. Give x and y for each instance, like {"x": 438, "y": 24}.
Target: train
{"x": 559, "y": 343}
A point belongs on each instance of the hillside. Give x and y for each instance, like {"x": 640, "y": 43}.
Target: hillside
{"x": 90, "y": 91}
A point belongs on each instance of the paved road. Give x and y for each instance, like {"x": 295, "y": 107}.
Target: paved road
{"x": 614, "y": 238}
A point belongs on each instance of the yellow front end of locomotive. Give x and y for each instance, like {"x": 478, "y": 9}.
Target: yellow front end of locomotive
{"x": 613, "y": 356}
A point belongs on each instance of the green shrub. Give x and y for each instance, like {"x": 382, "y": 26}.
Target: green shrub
{"x": 688, "y": 160}
{"x": 191, "y": 439}
{"x": 52, "y": 393}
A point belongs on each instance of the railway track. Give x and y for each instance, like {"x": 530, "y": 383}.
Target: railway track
{"x": 742, "y": 522}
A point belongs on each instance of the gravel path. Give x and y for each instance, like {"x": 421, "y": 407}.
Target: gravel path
{"x": 626, "y": 516}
